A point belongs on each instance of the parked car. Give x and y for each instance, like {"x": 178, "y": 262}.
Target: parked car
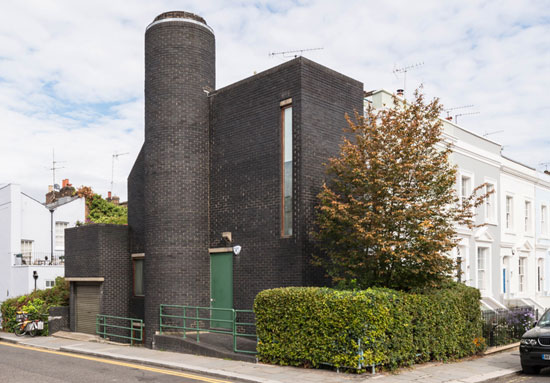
{"x": 535, "y": 346}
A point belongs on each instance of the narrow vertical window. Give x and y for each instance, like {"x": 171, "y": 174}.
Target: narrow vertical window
{"x": 521, "y": 274}
{"x": 509, "y": 211}
{"x": 481, "y": 262}
{"x": 540, "y": 274}
{"x": 138, "y": 277}
{"x": 60, "y": 235}
{"x": 286, "y": 166}
{"x": 490, "y": 203}
{"x": 527, "y": 216}
{"x": 543, "y": 220}
{"x": 465, "y": 187}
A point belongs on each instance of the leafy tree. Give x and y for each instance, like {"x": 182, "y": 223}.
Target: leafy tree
{"x": 388, "y": 215}
{"x": 100, "y": 210}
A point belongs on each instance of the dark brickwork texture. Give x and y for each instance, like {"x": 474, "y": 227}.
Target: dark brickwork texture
{"x": 101, "y": 250}
{"x": 179, "y": 64}
{"x": 245, "y": 177}
{"x": 211, "y": 163}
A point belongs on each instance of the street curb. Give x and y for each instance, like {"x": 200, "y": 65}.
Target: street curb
{"x": 502, "y": 376}
{"x": 206, "y": 371}
{"x": 506, "y": 347}
{"x": 220, "y": 374}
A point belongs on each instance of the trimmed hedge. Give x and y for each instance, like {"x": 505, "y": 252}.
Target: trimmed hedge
{"x": 312, "y": 326}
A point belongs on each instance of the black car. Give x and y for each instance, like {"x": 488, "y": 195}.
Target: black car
{"x": 535, "y": 346}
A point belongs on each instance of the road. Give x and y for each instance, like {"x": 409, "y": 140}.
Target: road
{"x": 29, "y": 364}
{"x": 543, "y": 377}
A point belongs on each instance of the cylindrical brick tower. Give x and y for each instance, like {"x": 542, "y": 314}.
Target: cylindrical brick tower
{"x": 179, "y": 67}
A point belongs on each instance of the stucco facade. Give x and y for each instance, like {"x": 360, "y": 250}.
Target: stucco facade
{"x": 27, "y": 237}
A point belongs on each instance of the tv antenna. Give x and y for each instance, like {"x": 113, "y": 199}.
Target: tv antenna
{"x": 448, "y": 111}
{"x": 115, "y": 157}
{"x": 464, "y": 114}
{"x": 295, "y": 53}
{"x": 404, "y": 70}
{"x": 54, "y": 168}
{"x": 489, "y": 133}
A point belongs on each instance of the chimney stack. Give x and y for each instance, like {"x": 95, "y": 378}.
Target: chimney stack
{"x": 108, "y": 196}
{"x": 449, "y": 118}
{"x": 65, "y": 183}
{"x": 400, "y": 92}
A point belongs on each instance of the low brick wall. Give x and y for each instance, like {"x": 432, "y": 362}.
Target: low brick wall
{"x": 58, "y": 319}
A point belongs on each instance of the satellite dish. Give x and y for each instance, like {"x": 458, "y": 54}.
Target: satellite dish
{"x": 237, "y": 250}
{"x": 56, "y": 187}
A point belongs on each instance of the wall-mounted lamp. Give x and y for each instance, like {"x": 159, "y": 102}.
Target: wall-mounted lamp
{"x": 35, "y": 276}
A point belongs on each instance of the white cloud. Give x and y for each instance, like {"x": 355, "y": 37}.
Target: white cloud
{"x": 71, "y": 73}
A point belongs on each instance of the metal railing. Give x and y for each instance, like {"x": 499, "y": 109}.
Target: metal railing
{"x": 197, "y": 319}
{"x": 36, "y": 258}
{"x": 108, "y": 326}
{"x": 505, "y": 326}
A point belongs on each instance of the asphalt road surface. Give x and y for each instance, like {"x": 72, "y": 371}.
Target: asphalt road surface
{"x": 543, "y": 377}
{"x": 28, "y": 364}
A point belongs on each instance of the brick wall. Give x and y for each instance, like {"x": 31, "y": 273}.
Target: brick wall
{"x": 245, "y": 176}
{"x": 179, "y": 64}
{"x": 101, "y": 250}
{"x": 136, "y": 205}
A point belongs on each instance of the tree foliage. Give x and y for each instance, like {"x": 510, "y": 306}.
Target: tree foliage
{"x": 388, "y": 215}
{"x": 100, "y": 210}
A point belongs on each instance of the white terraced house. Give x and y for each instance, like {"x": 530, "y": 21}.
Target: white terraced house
{"x": 32, "y": 239}
{"x": 508, "y": 258}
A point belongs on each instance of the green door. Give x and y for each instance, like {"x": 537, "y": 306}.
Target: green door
{"x": 221, "y": 289}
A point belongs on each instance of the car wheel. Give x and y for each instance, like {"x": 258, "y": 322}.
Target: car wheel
{"x": 531, "y": 370}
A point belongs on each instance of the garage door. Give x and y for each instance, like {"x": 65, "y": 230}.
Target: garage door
{"x": 87, "y": 307}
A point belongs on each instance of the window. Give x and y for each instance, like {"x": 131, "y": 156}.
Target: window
{"x": 465, "y": 187}
{"x": 26, "y": 251}
{"x": 490, "y": 205}
{"x": 527, "y": 226}
{"x": 26, "y": 248}
{"x": 509, "y": 212}
{"x": 540, "y": 274}
{"x": 544, "y": 220}
{"x": 481, "y": 265}
{"x": 50, "y": 283}
{"x": 60, "y": 234}
{"x": 286, "y": 167}
{"x": 461, "y": 264}
{"x": 521, "y": 274}
{"x": 138, "y": 277}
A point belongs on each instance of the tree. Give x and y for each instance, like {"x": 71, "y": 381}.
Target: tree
{"x": 100, "y": 210}
{"x": 388, "y": 215}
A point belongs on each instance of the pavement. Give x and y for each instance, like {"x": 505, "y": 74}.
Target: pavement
{"x": 504, "y": 362}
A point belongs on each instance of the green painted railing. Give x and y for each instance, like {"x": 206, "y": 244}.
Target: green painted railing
{"x": 189, "y": 319}
{"x": 132, "y": 326}
{"x": 237, "y": 325}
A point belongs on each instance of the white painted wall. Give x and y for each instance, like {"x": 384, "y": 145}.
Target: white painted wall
{"x": 24, "y": 218}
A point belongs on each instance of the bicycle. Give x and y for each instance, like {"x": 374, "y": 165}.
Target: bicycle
{"x": 26, "y": 325}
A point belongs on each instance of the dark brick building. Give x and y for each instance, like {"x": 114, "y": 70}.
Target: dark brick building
{"x": 238, "y": 166}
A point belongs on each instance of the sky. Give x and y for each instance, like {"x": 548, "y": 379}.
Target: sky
{"x": 72, "y": 72}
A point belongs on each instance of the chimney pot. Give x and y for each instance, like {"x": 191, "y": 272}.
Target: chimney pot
{"x": 449, "y": 118}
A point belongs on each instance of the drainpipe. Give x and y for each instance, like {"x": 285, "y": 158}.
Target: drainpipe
{"x": 51, "y": 235}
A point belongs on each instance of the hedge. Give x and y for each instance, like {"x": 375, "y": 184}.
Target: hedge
{"x": 310, "y": 326}
{"x": 36, "y": 304}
